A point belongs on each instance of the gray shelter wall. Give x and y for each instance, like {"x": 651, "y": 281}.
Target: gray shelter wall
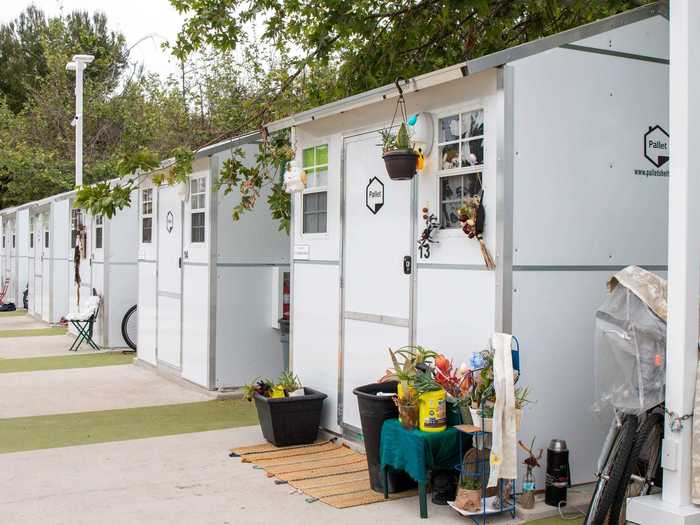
{"x": 583, "y": 206}
{"x": 249, "y": 256}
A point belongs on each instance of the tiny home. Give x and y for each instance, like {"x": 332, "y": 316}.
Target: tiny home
{"x": 210, "y": 289}
{"x": 12, "y": 222}
{"x": 567, "y": 139}
{"x": 104, "y": 251}
{"x": 48, "y": 259}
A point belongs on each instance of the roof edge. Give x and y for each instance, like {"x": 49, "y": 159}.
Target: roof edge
{"x": 472, "y": 67}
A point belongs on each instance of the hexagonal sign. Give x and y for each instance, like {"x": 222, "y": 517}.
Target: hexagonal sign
{"x": 656, "y": 146}
{"x": 374, "y": 195}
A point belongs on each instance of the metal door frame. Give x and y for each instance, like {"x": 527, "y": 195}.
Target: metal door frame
{"x": 412, "y": 288}
{"x": 158, "y": 273}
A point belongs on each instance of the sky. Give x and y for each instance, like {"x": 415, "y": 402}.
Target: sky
{"x": 136, "y": 19}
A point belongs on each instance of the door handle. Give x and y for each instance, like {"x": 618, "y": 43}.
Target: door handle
{"x": 179, "y": 262}
{"x": 407, "y": 265}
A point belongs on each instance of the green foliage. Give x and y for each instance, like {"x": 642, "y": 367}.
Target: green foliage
{"x": 103, "y": 199}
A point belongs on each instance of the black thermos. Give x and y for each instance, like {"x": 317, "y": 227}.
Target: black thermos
{"x": 558, "y": 477}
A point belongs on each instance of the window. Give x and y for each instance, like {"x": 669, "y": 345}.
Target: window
{"x": 98, "y": 232}
{"x": 46, "y": 239}
{"x": 147, "y": 215}
{"x": 31, "y": 239}
{"x": 461, "y": 140}
{"x": 76, "y": 218}
{"x": 315, "y": 198}
{"x": 453, "y": 190}
{"x": 13, "y": 240}
{"x": 461, "y": 159}
{"x": 197, "y": 202}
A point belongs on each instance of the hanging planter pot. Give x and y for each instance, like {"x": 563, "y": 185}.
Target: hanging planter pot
{"x": 400, "y": 163}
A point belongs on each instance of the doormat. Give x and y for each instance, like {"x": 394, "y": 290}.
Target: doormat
{"x": 326, "y": 471}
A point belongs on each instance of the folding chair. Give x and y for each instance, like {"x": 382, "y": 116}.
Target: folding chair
{"x": 4, "y": 289}
{"x": 84, "y": 323}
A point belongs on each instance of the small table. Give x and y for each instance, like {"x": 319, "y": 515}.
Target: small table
{"x": 417, "y": 453}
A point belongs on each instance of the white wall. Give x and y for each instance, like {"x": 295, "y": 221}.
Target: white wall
{"x": 147, "y": 281}
{"x": 580, "y": 212}
{"x": 61, "y": 255}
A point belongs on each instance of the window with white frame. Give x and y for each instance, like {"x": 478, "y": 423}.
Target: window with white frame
{"x": 461, "y": 160}
{"x": 76, "y": 221}
{"x": 31, "y": 232}
{"x": 99, "y": 227}
{"x": 315, "y": 198}
{"x": 147, "y": 215}
{"x": 198, "y": 199}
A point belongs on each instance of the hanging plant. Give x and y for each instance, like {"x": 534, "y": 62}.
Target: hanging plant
{"x": 472, "y": 217}
{"x": 400, "y": 157}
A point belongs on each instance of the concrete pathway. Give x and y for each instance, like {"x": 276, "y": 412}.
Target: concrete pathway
{"x": 181, "y": 479}
{"x": 87, "y": 389}
{"x": 39, "y": 346}
{"x": 19, "y": 322}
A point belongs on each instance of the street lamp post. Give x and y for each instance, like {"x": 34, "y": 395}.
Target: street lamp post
{"x": 78, "y": 64}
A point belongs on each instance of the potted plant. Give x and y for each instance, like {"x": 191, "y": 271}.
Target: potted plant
{"x": 400, "y": 158}
{"x": 289, "y": 413}
{"x": 469, "y": 492}
{"x": 407, "y": 400}
{"x": 527, "y": 498}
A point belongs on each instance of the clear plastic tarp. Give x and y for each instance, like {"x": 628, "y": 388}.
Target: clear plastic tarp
{"x": 630, "y": 346}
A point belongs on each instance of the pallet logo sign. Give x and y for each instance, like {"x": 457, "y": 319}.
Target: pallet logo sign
{"x": 374, "y": 195}
{"x": 657, "y": 150}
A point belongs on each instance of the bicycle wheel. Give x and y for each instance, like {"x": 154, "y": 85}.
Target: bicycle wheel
{"x": 612, "y": 473}
{"x": 129, "y": 327}
{"x": 641, "y": 468}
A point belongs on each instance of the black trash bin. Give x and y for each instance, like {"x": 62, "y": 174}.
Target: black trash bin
{"x": 290, "y": 420}
{"x": 374, "y": 410}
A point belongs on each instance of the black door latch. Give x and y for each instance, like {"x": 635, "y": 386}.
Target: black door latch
{"x": 407, "y": 265}
{"x": 179, "y": 262}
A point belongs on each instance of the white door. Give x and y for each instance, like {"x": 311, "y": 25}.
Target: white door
{"x": 377, "y": 267}
{"x": 169, "y": 331}
{"x": 46, "y": 275}
{"x": 38, "y": 269}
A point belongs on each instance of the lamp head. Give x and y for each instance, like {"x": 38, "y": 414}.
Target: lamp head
{"x": 85, "y": 59}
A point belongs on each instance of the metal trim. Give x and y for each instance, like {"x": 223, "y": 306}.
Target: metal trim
{"x": 341, "y": 284}
{"x": 318, "y": 261}
{"x": 169, "y": 295}
{"x": 153, "y": 261}
{"x": 185, "y": 262}
{"x": 213, "y": 271}
{"x": 389, "y": 320}
{"x": 470, "y": 67}
{"x": 618, "y": 54}
{"x": 252, "y": 265}
{"x": 505, "y": 169}
{"x": 449, "y": 266}
{"x": 585, "y": 268}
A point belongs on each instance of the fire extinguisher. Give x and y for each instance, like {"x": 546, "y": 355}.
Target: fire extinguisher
{"x": 558, "y": 478}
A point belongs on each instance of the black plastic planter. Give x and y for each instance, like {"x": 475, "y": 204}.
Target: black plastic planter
{"x": 401, "y": 164}
{"x": 374, "y": 410}
{"x": 290, "y": 420}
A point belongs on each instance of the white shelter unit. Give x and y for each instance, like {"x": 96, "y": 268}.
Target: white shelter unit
{"x": 106, "y": 249}
{"x": 210, "y": 289}
{"x": 9, "y": 255}
{"x": 567, "y": 138}
{"x": 48, "y": 258}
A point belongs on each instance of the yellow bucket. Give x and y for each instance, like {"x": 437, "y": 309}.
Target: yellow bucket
{"x": 432, "y": 415}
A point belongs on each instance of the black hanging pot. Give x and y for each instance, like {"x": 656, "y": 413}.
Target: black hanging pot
{"x": 401, "y": 163}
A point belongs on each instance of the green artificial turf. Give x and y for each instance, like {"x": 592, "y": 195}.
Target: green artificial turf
{"x": 65, "y": 430}
{"x": 59, "y": 362}
{"x": 33, "y": 332}
{"x": 16, "y": 313}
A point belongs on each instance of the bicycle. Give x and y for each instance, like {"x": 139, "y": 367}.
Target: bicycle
{"x": 627, "y": 467}
{"x": 129, "y": 327}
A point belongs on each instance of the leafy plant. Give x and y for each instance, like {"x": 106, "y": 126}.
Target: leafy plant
{"x": 470, "y": 482}
{"x": 406, "y": 361}
{"x": 257, "y": 386}
{"x": 398, "y": 141}
{"x": 289, "y": 382}
{"x": 425, "y": 382}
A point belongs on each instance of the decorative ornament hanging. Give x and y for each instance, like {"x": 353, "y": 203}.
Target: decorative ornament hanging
{"x": 472, "y": 217}
{"x": 295, "y": 178}
{"x": 426, "y": 237}
{"x": 398, "y": 152}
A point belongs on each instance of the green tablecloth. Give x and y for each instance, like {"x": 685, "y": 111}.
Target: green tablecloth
{"x": 418, "y": 452}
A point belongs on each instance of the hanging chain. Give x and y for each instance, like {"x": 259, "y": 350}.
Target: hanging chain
{"x": 675, "y": 422}
{"x": 401, "y": 103}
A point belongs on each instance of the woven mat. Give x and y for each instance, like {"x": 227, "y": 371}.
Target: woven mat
{"x": 326, "y": 471}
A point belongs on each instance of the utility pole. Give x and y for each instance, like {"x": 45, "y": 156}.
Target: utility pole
{"x": 78, "y": 64}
